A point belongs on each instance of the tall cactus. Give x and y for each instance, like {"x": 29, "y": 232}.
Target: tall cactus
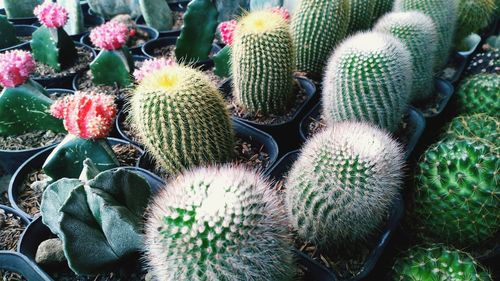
{"x": 473, "y": 16}
{"x": 418, "y": 32}
{"x": 360, "y": 15}
{"x": 368, "y": 78}
{"x": 157, "y": 14}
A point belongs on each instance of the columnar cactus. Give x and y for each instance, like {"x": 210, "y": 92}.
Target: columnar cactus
{"x": 380, "y": 8}
{"x": 418, "y": 33}
{"x": 263, "y": 63}
{"x": 20, "y": 8}
{"x": 476, "y": 126}
{"x": 51, "y": 45}
{"x": 317, "y": 27}
{"x": 473, "y": 16}
{"x": 181, "y": 118}
{"x": 220, "y": 223}
{"x": 345, "y": 180}
{"x": 480, "y": 94}
{"x": 445, "y": 15}
{"x": 360, "y": 15}
{"x": 75, "y": 16}
{"x": 368, "y": 78}
{"x": 157, "y": 14}
{"x": 8, "y": 36}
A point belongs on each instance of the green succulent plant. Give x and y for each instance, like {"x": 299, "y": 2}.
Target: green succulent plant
{"x": 480, "y": 94}
{"x": 477, "y": 126}
{"x": 473, "y": 16}
{"x": 20, "y": 8}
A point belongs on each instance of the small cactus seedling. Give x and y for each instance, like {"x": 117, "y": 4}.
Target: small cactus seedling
{"x": 109, "y": 9}
{"x": 113, "y": 65}
{"x": 51, "y": 45}
{"x": 418, "y": 33}
{"x": 24, "y": 104}
{"x": 368, "y": 78}
{"x": 220, "y": 223}
{"x": 157, "y": 14}
{"x": 342, "y": 185}
{"x": 477, "y": 126}
{"x": 8, "y": 36}
{"x": 480, "y": 94}
{"x": 75, "y": 16}
{"x": 360, "y": 15}
{"x": 473, "y": 16}
{"x": 151, "y": 65}
{"x": 20, "y": 8}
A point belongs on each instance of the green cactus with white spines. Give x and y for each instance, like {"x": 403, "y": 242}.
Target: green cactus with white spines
{"x": 473, "y": 15}
{"x": 360, "y": 15}
{"x": 479, "y": 94}
{"x": 317, "y": 27}
{"x": 418, "y": 32}
{"x": 445, "y": 15}
{"x": 345, "y": 180}
{"x": 477, "y": 126}
{"x": 368, "y": 78}
{"x": 438, "y": 262}
{"x": 456, "y": 198}
{"x": 181, "y": 118}
{"x": 218, "y": 223}
{"x": 380, "y": 8}
{"x": 263, "y": 63}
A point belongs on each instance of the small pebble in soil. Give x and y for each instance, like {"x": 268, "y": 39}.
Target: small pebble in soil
{"x": 10, "y": 231}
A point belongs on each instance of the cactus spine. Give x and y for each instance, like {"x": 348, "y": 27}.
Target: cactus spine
{"x": 480, "y": 94}
{"x": 360, "y": 15}
{"x": 418, "y": 32}
{"x": 381, "y": 7}
{"x": 476, "y": 126}
{"x": 263, "y": 63}
{"x": 221, "y": 223}
{"x": 473, "y": 16}
{"x": 368, "y": 78}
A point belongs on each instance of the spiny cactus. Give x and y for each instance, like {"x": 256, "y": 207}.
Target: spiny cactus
{"x": 75, "y": 16}
{"x": 262, "y": 63}
{"x": 418, "y": 33}
{"x": 476, "y": 126}
{"x": 8, "y": 36}
{"x": 480, "y": 94}
{"x": 340, "y": 188}
{"x": 20, "y": 8}
{"x": 438, "y": 262}
{"x": 221, "y": 223}
{"x": 445, "y": 15}
{"x": 317, "y": 27}
{"x": 380, "y": 8}
{"x": 360, "y": 15}
{"x": 181, "y": 118}
{"x": 151, "y": 65}
{"x": 473, "y": 16}
{"x": 456, "y": 199}
{"x": 157, "y": 14}
{"x": 368, "y": 78}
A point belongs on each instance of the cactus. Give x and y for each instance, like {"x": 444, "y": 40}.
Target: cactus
{"x": 368, "y": 82}
{"x": 380, "y": 8}
{"x": 222, "y": 60}
{"x": 24, "y": 103}
{"x": 181, "y": 118}
{"x": 98, "y": 220}
{"x": 8, "y": 36}
{"x": 257, "y": 5}
{"x": 262, "y": 63}
{"x": 445, "y": 15}
{"x": 473, "y": 16}
{"x": 360, "y": 15}
{"x": 110, "y": 8}
{"x": 150, "y": 66}
{"x": 477, "y": 126}
{"x": 456, "y": 199}
{"x": 220, "y": 223}
{"x": 484, "y": 62}
{"x": 51, "y": 45}
{"x": 340, "y": 188}
{"x": 438, "y": 262}
{"x": 317, "y": 27}
{"x": 157, "y": 14}
{"x": 20, "y": 8}
{"x": 480, "y": 94}
{"x": 418, "y": 32}
{"x": 75, "y": 19}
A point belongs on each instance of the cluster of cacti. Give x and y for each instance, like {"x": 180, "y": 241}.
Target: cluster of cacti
{"x": 220, "y": 223}
{"x": 477, "y": 126}
{"x": 8, "y": 36}
{"x": 473, "y": 16}
{"x": 157, "y": 14}
{"x": 20, "y": 8}
{"x": 110, "y": 8}
{"x": 150, "y": 66}
{"x": 360, "y": 15}
{"x": 74, "y": 25}
{"x": 368, "y": 78}
{"x": 418, "y": 33}
{"x": 480, "y": 94}
{"x": 181, "y": 118}
{"x": 342, "y": 185}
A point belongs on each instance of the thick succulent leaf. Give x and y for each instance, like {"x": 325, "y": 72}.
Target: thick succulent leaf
{"x": 90, "y": 170}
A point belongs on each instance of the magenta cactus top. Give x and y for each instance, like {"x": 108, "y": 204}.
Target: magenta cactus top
{"x": 15, "y": 67}
{"x": 51, "y": 14}
{"x": 227, "y": 30}
{"x": 110, "y": 36}
{"x": 151, "y": 65}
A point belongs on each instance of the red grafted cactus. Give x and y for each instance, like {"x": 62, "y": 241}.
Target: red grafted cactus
{"x": 110, "y": 36}
{"x": 227, "y": 30}
{"x": 282, "y": 11}
{"x": 150, "y": 66}
{"x": 86, "y": 115}
{"x": 51, "y": 14}
{"x": 15, "y": 66}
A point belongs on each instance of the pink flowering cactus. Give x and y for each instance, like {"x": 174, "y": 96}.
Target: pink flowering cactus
{"x": 281, "y": 11}
{"x": 86, "y": 115}
{"x": 227, "y": 31}
{"x": 149, "y": 66}
{"x": 51, "y": 14}
{"x": 110, "y": 36}
{"x": 15, "y": 67}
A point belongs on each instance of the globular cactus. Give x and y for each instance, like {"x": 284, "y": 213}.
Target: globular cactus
{"x": 380, "y": 8}
{"x": 473, "y": 16}
{"x": 445, "y": 15}
{"x": 456, "y": 198}
{"x": 368, "y": 78}
{"x": 263, "y": 63}
{"x": 181, "y": 118}
{"x": 418, "y": 33}
{"x": 317, "y": 27}
{"x": 360, "y": 15}
{"x": 480, "y": 94}
{"x": 157, "y": 14}
{"x": 342, "y": 185}
{"x": 219, "y": 223}
{"x": 151, "y": 65}
{"x": 75, "y": 16}
{"x": 438, "y": 262}
{"x": 110, "y": 8}
{"x": 8, "y": 36}
{"x": 20, "y": 8}
{"x": 477, "y": 126}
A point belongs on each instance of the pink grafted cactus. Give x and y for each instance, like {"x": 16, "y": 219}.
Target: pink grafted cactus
{"x": 110, "y": 36}
{"x": 227, "y": 30}
{"x": 281, "y": 11}
{"x": 149, "y": 66}
{"x": 86, "y": 115}
{"x": 51, "y": 14}
{"x": 15, "y": 67}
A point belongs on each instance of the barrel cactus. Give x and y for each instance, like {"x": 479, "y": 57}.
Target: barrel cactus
{"x": 473, "y": 15}
{"x": 219, "y": 223}
{"x": 368, "y": 81}
{"x": 380, "y": 8}
{"x": 360, "y": 15}
{"x": 340, "y": 188}
{"x": 476, "y": 126}
{"x": 480, "y": 94}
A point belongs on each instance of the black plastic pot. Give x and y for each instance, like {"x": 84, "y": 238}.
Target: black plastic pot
{"x": 444, "y": 90}
{"x": 316, "y": 271}
{"x": 10, "y": 160}
{"x": 89, "y": 21}
{"x": 24, "y": 219}
{"x": 27, "y": 21}
{"x": 21, "y": 30}
{"x": 36, "y": 162}
{"x": 120, "y": 118}
{"x": 20, "y": 264}
{"x": 460, "y": 59}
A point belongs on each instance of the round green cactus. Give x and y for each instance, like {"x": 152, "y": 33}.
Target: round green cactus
{"x": 181, "y": 118}
{"x": 437, "y": 262}
{"x": 480, "y": 94}
{"x": 360, "y": 15}
{"x": 368, "y": 78}
{"x": 340, "y": 188}
{"x": 476, "y": 126}
{"x": 418, "y": 32}
{"x": 221, "y": 223}
{"x": 456, "y": 199}
{"x": 473, "y": 16}
{"x": 263, "y": 63}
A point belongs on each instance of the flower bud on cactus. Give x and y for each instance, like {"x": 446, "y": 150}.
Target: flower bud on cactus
{"x": 226, "y": 29}
{"x": 473, "y": 16}
{"x": 150, "y": 66}
{"x": 221, "y": 223}
{"x": 16, "y": 66}
{"x": 51, "y": 14}
{"x": 368, "y": 78}
{"x": 480, "y": 94}
{"x": 342, "y": 185}
{"x": 110, "y": 36}
{"x": 476, "y": 126}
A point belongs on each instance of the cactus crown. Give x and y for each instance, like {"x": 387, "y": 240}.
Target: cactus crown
{"x": 110, "y": 36}
{"x": 16, "y": 66}
{"x": 226, "y": 29}
{"x": 150, "y": 66}
{"x": 260, "y": 22}
{"x": 282, "y": 12}
{"x": 51, "y": 14}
